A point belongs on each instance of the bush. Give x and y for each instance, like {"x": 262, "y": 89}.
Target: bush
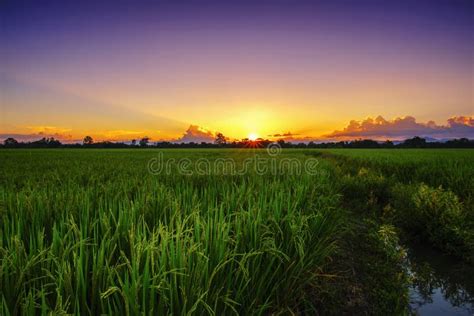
{"x": 389, "y": 277}
{"x": 436, "y": 215}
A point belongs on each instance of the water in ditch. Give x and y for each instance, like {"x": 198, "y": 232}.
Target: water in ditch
{"x": 441, "y": 284}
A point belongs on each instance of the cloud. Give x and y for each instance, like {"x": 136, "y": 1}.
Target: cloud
{"x": 287, "y": 134}
{"x": 406, "y": 127}
{"x": 37, "y": 136}
{"x": 375, "y": 128}
{"x": 33, "y": 133}
{"x": 47, "y": 101}
{"x": 47, "y": 130}
{"x": 122, "y": 135}
{"x": 196, "y": 134}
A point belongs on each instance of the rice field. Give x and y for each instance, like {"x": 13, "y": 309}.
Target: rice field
{"x": 451, "y": 169}
{"x": 96, "y": 231}
{"x": 93, "y": 231}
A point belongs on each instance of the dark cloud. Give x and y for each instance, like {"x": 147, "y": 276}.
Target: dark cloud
{"x": 401, "y": 128}
{"x": 287, "y": 134}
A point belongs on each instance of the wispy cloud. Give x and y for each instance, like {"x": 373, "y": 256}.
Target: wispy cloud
{"x": 33, "y": 101}
{"x": 284, "y": 135}
{"x": 48, "y": 130}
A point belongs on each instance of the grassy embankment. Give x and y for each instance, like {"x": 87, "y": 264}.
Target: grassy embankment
{"x": 429, "y": 194}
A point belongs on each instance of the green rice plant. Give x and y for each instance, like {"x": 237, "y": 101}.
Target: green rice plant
{"x": 93, "y": 232}
{"x": 427, "y": 192}
{"x": 436, "y": 215}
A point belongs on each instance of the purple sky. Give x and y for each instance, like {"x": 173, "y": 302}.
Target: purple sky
{"x": 127, "y": 68}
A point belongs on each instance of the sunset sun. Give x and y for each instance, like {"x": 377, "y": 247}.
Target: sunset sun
{"x": 253, "y": 136}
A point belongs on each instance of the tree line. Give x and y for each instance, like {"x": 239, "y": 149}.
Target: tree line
{"x": 222, "y": 142}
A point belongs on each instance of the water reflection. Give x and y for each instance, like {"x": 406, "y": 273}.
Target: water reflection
{"x": 441, "y": 285}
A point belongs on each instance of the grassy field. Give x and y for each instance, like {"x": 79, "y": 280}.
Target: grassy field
{"x": 429, "y": 193}
{"x": 452, "y": 169}
{"x": 107, "y": 231}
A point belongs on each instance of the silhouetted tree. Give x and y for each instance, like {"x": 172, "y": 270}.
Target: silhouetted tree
{"x": 46, "y": 142}
{"x": 415, "y": 142}
{"x": 387, "y": 144}
{"x": 460, "y": 143}
{"x": 220, "y": 139}
{"x": 88, "y": 140}
{"x": 144, "y": 141}
{"x": 10, "y": 142}
{"x": 281, "y": 142}
{"x": 364, "y": 143}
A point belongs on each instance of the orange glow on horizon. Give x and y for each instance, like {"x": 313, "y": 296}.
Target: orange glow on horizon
{"x": 253, "y": 136}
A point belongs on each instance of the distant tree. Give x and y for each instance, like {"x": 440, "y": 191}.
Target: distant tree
{"x": 340, "y": 144}
{"x": 220, "y": 139}
{"x": 41, "y": 142}
{"x": 144, "y": 141}
{"x": 46, "y": 142}
{"x": 387, "y": 144}
{"x": 10, "y": 142}
{"x": 264, "y": 143}
{"x": 54, "y": 142}
{"x": 415, "y": 142}
{"x": 134, "y": 142}
{"x": 460, "y": 143}
{"x": 88, "y": 140}
{"x": 364, "y": 143}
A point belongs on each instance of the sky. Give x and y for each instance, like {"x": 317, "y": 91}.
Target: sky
{"x": 184, "y": 70}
